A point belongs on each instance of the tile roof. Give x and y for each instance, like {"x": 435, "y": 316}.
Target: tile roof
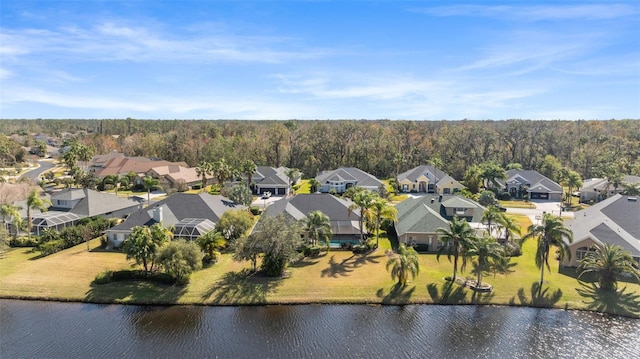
{"x": 427, "y": 170}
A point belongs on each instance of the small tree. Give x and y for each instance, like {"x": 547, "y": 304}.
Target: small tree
{"x": 486, "y": 249}
{"x": 234, "y": 223}
{"x": 211, "y": 242}
{"x": 149, "y": 184}
{"x": 403, "y": 263}
{"x": 455, "y": 241}
{"x": 240, "y": 194}
{"x": 248, "y": 249}
{"x": 179, "y": 259}
{"x": 144, "y": 243}
{"x": 280, "y": 238}
{"x": 318, "y": 226}
{"x": 34, "y": 201}
{"x": 608, "y": 263}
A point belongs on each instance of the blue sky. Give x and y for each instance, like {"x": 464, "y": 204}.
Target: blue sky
{"x": 417, "y": 60}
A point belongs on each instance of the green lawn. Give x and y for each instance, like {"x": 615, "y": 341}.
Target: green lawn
{"x": 517, "y": 204}
{"x": 334, "y": 277}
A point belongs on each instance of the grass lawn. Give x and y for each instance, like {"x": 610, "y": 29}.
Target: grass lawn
{"x": 517, "y": 204}
{"x": 334, "y": 277}
{"x": 304, "y": 187}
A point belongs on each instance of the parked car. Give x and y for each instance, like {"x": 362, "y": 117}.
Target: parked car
{"x": 266, "y": 195}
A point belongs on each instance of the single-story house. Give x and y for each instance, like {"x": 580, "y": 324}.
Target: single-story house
{"x": 189, "y": 216}
{"x": 427, "y": 179}
{"x": 345, "y": 226}
{"x": 274, "y": 180}
{"x": 118, "y": 164}
{"x": 341, "y": 179}
{"x": 615, "y": 220}
{"x": 533, "y": 183}
{"x": 596, "y": 189}
{"x": 419, "y": 218}
{"x": 72, "y": 204}
{"x": 175, "y": 176}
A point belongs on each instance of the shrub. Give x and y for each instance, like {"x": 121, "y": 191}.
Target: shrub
{"x": 24, "y": 242}
{"x": 51, "y": 247}
{"x": 505, "y": 196}
{"x": 311, "y": 251}
{"x": 512, "y": 250}
{"x": 133, "y": 275}
{"x": 255, "y": 210}
{"x": 103, "y": 277}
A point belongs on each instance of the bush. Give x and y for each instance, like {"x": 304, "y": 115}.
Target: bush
{"x": 255, "y": 210}
{"x": 136, "y": 275}
{"x": 360, "y": 249}
{"x": 103, "y": 277}
{"x": 51, "y": 247}
{"x": 24, "y": 242}
{"x": 312, "y": 251}
{"x": 505, "y": 196}
{"x": 512, "y": 250}
{"x": 487, "y": 198}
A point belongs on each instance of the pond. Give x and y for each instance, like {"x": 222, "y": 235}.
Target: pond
{"x": 74, "y": 330}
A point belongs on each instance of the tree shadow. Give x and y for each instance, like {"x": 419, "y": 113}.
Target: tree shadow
{"x": 539, "y": 297}
{"x": 335, "y": 269}
{"x": 481, "y": 297}
{"x": 241, "y": 287}
{"x": 399, "y": 294}
{"x": 303, "y": 262}
{"x": 614, "y": 302}
{"x": 448, "y": 293}
{"x": 347, "y": 266}
{"x": 134, "y": 292}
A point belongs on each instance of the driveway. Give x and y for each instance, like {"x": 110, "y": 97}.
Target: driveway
{"x": 535, "y": 214}
{"x": 264, "y": 203}
{"x": 34, "y": 174}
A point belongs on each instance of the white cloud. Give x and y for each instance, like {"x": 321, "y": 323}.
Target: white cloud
{"x": 537, "y": 12}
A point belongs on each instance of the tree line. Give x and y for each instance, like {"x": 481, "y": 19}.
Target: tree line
{"x": 380, "y": 147}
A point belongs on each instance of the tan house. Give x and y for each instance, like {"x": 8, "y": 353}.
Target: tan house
{"x": 117, "y": 164}
{"x": 176, "y": 176}
{"x": 597, "y": 189}
{"x": 427, "y": 179}
{"x": 616, "y": 220}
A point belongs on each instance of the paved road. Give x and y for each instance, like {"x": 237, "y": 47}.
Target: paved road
{"x": 35, "y": 173}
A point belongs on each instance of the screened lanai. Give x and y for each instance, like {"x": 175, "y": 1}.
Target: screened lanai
{"x": 54, "y": 220}
{"x": 192, "y": 228}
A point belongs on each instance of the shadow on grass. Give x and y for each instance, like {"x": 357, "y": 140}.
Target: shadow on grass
{"x": 241, "y": 287}
{"x": 538, "y": 297}
{"x": 347, "y": 266}
{"x": 613, "y": 302}
{"x": 134, "y": 292}
{"x": 304, "y": 262}
{"x": 590, "y": 277}
{"x": 399, "y": 294}
{"x": 447, "y": 293}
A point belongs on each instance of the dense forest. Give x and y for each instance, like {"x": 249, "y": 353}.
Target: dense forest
{"x": 380, "y": 147}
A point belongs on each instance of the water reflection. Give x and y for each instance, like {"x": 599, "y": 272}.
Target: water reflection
{"x": 44, "y": 329}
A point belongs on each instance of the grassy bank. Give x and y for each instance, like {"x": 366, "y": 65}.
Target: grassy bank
{"x": 336, "y": 277}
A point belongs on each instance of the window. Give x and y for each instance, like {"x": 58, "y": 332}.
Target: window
{"x": 459, "y": 211}
{"x": 581, "y": 253}
{"x": 62, "y": 202}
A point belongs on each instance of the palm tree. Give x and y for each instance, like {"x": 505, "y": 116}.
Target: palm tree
{"x": 381, "y": 209}
{"x": 490, "y": 216}
{"x": 608, "y": 262}
{"x": 572, "y": 180}
{"x": 314, "y": 184}
{"x": 510, "y": 226}
{"x": 293, "y": 174}
{"x": 362, "y": 200}
{"x": 34, "y": 201}
{"x": 149, "y": 183}
{"x": 456, "y": 240}
{"x": 222, "y": 171}
{"x": 318, "y": 225}
{"x": 551, "y": 232}
{"x": 9, "y": 210}
{"x": 248, "y": 168}
{"x": 491, "y": 172}
{"x": 210, "y": 242}
{"x": 404, "y": 262}
{"x": 204, "y": 168}
{"x": 486, "y": 249}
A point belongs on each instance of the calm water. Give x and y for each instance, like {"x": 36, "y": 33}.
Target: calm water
{"x": 71, "y": 330}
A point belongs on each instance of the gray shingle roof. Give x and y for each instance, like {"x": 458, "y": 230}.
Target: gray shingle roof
{"x": 535, "y": 179}
{"x": 363, "y": 178}
{"x": 180, "y": 206}
{"x": 615, "y": 220}
{"x": 337, "y": 209}
{"x": 413, "y": 174}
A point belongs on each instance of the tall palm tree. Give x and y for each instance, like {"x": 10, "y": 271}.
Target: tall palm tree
{"x": 314, "y": 184}
{"x": 509, "y": 226}
{"x": 485, "y": 249}
{"x": 222, "y": 171}
{"x": 149, "y": 183}
{"x": 403, "y": 263}
{"x": 381, "y": 209}
{"x": 248, "y": 168}
{"x": 362, "y": 200}
{"x": 293, "y": 174}
{"x": 204, "y": 168}
{"x": 608, "y": 262}
{"x": 318, "y": 225}
{"x": 490, "y": 216}
{"x": 9, "y": 210}
{"x": 455, "y": 240}
{"x": 491, "y": 172}
{"x": 34, "y": 201}
{"x": 551, "y": 232}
